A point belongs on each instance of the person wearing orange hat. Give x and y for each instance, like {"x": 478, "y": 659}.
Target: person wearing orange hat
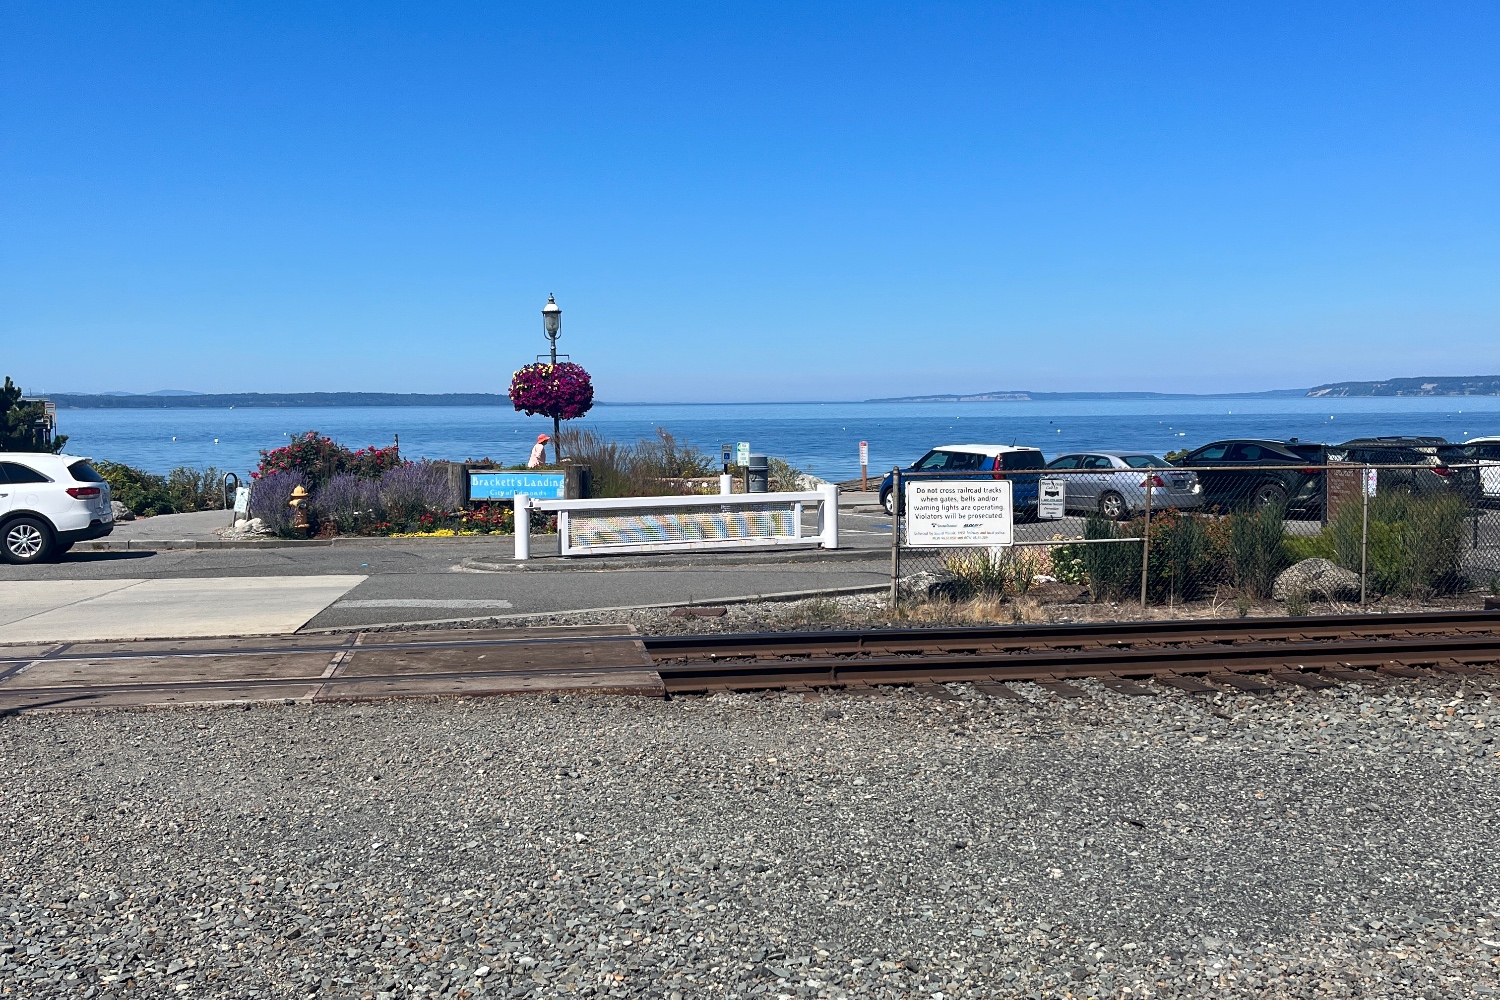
{"x": 538, "y": 452}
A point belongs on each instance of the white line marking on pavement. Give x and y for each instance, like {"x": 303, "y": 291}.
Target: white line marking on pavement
{"x": 421, "y": 602}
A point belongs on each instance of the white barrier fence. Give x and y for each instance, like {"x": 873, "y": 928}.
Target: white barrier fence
{"x": 675, "y": 524}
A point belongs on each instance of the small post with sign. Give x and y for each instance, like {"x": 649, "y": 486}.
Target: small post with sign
{"x": 742, "y": 459}
{"x": 864, "y": 466}
{"x": 726, "y": 478}
{"x": 1052, "y": 499}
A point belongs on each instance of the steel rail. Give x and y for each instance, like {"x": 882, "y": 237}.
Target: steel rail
{"x": 1467, "y": 652}
{"x": 919, "y": 639}
{"x": 1455, "y": 642}
{"x": 669, "y": 648}
{"x": 1048, "y": 665}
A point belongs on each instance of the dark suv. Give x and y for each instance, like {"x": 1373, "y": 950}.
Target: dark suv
{"x": 1443, "y": 467}
{"x": 1253, "y": 473}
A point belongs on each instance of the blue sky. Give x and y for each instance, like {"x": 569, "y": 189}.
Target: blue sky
{"x": 748, "y": 202}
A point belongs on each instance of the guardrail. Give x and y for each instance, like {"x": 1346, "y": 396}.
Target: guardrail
{"x": 685, "y": 523}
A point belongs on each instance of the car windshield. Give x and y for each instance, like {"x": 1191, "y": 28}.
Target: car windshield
{"x": 83, "y": 472}
{"x": 1023, "y": 460}
{"x": 1145, "y": 462}
{"x": 1311, "y": 452}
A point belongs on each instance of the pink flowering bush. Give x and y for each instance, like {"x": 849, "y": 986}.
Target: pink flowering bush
{"x": 563, "y": 390}
{"x": 320, "y": 458}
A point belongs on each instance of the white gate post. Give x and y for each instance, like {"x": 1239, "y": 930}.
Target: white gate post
{"x": 828, "y": 522}
{"x": 523, "y": 527}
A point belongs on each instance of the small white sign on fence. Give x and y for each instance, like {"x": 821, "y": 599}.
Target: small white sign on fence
{"x": 959, "y": 513}
{"x": 1052, "y": 499}
{"x": 242, "y": 500}
{"x": 1372, "y": 481}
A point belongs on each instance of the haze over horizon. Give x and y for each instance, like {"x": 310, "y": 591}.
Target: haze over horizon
{"x": 764, "y": 204}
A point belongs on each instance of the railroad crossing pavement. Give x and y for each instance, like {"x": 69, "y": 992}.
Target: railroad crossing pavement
{"x": 599, "y": 659}
{"x": 417, "y": 580}
{"x": 81, "y": 610}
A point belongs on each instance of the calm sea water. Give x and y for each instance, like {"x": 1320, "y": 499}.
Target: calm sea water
{"x": 820, "y": 437}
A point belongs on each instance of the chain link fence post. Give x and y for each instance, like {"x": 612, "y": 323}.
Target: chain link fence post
{"x": 895, "y": 495}
{"x": 1146, "y": 540}
{"x": 1364, "y": 535}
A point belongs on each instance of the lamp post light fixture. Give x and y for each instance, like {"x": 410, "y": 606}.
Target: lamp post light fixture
{"x": 552, "y": 328}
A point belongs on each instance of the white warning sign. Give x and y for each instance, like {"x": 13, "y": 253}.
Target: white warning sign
{"x": 966, "y": 513}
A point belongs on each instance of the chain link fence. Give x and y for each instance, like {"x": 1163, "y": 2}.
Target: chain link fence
{"x": 1114, "y": 541}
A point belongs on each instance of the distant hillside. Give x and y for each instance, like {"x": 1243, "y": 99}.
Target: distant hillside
{"x": 176, "y": 401}
{"x": 1437, "y": 385}
{"x": 1025, "y": 394}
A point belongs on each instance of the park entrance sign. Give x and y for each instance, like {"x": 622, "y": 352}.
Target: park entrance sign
{"x": 961, "y": 513}
{"x": 505, "y": 485}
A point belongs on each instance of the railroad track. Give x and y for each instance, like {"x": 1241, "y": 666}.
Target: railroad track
{"x": 1199, "y": 656}
{"x": 1247, "y": 654}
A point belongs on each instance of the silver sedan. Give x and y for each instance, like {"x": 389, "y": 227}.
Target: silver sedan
{"x": 1114, "y": 483}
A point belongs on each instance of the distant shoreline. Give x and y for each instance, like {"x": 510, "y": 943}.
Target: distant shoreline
{"x": 1436, "y": 386}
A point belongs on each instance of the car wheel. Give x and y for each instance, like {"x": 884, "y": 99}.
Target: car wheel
{"x": 26, "y": 540}
{"x": 1269, "y": 495}
{"x": 1112, "y": 506}
{"x": 887, "y": 502}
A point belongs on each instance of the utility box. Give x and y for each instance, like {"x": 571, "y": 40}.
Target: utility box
{"x": 758, "y": 475}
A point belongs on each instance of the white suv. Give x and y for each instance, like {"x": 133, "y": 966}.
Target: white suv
{"x": 48, "y": 502}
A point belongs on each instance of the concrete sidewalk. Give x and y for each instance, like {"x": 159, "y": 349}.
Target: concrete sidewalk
{"x": 196, "y": 526}
{"x": 83, "y": 610}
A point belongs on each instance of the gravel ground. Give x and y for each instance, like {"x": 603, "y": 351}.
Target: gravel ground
{"x": 898, "y": 845}
{"x": 867, "y": 611}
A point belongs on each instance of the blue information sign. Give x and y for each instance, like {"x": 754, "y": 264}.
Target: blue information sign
{"x": 505, "y": 485}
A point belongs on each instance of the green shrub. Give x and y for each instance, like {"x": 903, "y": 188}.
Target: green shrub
{"x": 785, "y": 477}
{"x": 1300, "y": 547}
{"x": 195, "y": 489}
{"x": 1067, "y": 564}
{"x": 1187, "y": 555}
{"x": 182, "y": 490}
{"x": 1113, "y": 571}
{"x": 985, "y": 572}
{"x": 975, "y": 573}
{"x": 1415, "y": 543}
{"x": 638, "y": 470}
{"x": 1257, "y": 549}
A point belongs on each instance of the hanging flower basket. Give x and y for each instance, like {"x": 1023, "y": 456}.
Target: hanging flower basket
{"x": 563, "y": 390}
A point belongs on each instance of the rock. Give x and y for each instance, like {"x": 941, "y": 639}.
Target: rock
{"x": 121, "y": 512}
{"x": 1317, "y": 579}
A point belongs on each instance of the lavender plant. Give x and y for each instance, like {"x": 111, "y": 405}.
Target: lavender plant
{"x": 270, "y": 496}
{"x": 348, "y": 502}
{"x": 409, "y": 491}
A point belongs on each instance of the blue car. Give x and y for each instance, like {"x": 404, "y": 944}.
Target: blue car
{"x": 1022, "y": 466}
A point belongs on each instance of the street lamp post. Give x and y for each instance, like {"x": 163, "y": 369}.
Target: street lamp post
{"x": 552, "y": 327}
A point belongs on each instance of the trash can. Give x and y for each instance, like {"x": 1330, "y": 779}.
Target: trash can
{"x": 759, "y": 475}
